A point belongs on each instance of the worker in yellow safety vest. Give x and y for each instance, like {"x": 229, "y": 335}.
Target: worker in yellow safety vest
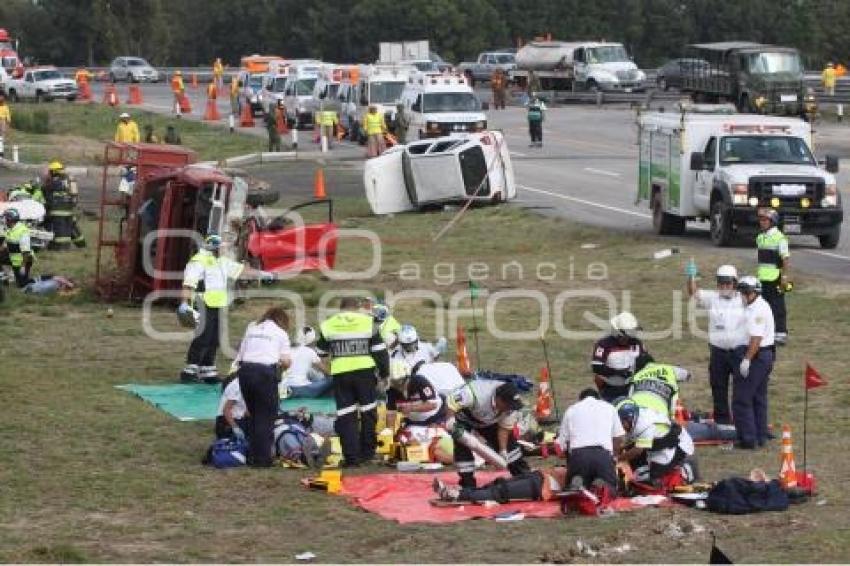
{"x": 218, "y": 73}
{"x": 358, "y": 357}
{"x": 327, "y": 122}
{"x": 376, "y": 127}
{"x": 178, "y": 89}
{"x": 774, "y": 260}
{"x": 127, "y": 130}
{"x": 207, "y": 274}
{"x": 828, "y": 79}
{"x": 234, "y": 96}
{"x": 16, "y": 250}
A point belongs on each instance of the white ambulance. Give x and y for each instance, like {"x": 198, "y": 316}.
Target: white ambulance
{"x": 706, "y": 162}
{"x": 441, "y": 104}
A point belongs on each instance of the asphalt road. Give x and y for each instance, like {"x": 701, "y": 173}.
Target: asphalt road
{"x": 586, "y": 171}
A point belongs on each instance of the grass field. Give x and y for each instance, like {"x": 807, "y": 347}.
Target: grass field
{"x": 93, "y": 474}
{"x": 78, "y": 131}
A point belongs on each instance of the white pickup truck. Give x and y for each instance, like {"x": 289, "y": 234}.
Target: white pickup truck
{"x": 41, "y": 84}
{"x": 708, "y": 162}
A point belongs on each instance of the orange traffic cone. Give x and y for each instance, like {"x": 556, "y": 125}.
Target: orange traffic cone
{"x": 462, "y": 354}
{"x": 543, "y": 407}
{"x": 246, "y": 120}
{"x": 134, "y": 95}
{"x": 319, "y": 185}
{"x": 185, "y": 105}
{"x": 788, "y": 470}
{"x": 211, "y": 113}
{"x": 85, "y": 92}
{"x": 110, "y": 97}
{"x": 194, "y": 80}
{"x": 681, "y": 415}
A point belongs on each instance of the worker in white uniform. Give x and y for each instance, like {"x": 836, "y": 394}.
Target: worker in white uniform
{"x": 726, "y": 333}
{"x": 414, "y": 351}
{"x": 749, "y": 388}
{"x": 307, "y": 376}
{"x": 263, "y": 353}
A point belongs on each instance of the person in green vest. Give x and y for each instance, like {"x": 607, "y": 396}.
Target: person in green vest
{"x": 327, "y": 122}
{"x": 535, "y": 116}
{"x": 15, "y": 249}
{"x": 28, "y": 191}
{"x": 358, "y": 357}
{"x": 271, "y": 130}
{"x": 774, "y": 260}
{"x": 656, "y": 386}
{"x": 207, "y": 274}
{"x": 387, "y": 325}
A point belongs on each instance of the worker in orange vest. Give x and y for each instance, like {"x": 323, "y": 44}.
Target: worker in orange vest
{"x": 82, "y": 76}
{"x": 179, "y": 89}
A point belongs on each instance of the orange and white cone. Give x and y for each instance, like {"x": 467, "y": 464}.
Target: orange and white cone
{"x": 788, "y": 470}
{"x": 463, "y": 365}
{"x": 543, "y": 407}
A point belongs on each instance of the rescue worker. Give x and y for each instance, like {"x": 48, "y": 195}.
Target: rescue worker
{"x": 127, "y": 130}
{"x": 234, "y": 96}
{"x": 657, "y": 449}
{"x": 828, "y": 78}
{"x": 328, "y": 121}
{"x": 150, "y": 136}
{"x": 591, "y": 435}
{"x": 726, "y": 333}
{"x": 218, "y": 73}
{"x": 536, "y": 115}
{"x": 489, "y": 409}
{"x": 614, "y": 357}
{"x": 271, "y": 129}
{"x": 749, "y": 387}
{"x": 416, "y": 399}
{"x": 498, "y": 84}
{"x": 28, "y": 191}
{"x": 171, "y": 136}
{"x": 375, "y": 127}
{"x": 61, "y": 194}
{"x": 263, "y": 353}
{"x": 356, "y": 352}
{"x": 774, "y": 261}
{"x": 207, "y": 274}
{"x": 414, "y": 351}
{"x": 656, "y": 386}
{"x": 16, "y": 249}
{"x": 5, "y": 122}
{"x": 402, "y": 124}
{"x": 387, "y": 325}
{"x": 178, "y": 89}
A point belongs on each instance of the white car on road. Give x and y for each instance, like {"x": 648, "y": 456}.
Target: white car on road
{"x": 132, "y": 70}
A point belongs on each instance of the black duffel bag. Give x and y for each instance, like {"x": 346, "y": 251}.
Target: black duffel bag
{"x": 739, "y": 496}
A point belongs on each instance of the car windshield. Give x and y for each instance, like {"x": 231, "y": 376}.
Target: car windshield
{"x": 304, "y": 87}
{"x": 385, "y": 92}
{"x": 279, "y": 84}
{"x": 607, "y": 54}
{"x": 137, "y": 63}
{"x": 506, "y": 58}
{"x": 47, "y": 75}
{"x": 450, "y": 102}
{"x": 769, "y": 63}
{"x": 765, "y": 149}
{"x": 333, "y": 89}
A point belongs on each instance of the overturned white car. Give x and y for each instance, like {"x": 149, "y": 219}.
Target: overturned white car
{"x": 437, "y": 171}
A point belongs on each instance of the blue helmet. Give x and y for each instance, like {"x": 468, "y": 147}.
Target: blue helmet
{"x": 12, "y": 214}
{"x": 628, "y": 412}
{"x": 212, "y": 242}
{"x": 380, "y": 313}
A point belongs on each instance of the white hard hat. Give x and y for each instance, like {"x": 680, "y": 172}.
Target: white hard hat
{"x": 407, "y": 334}
{"x": 749, "y": 284}
{"x": 124, "y": 115}
{"x": 305, "y": 336}
{"x": 727, "y": 272}
{"x": 399, "y": 370}
{"x": 625, "y": 323}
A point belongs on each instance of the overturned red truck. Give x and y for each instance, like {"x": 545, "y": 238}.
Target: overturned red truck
{"x": 166, "y": 203}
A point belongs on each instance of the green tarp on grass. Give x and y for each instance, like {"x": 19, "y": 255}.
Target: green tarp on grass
{"x": 199, "y": 402}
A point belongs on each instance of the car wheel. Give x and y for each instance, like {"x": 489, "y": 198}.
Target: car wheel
{"x": 39, "y": 97}
{"x": 829, "y": 241}
{"x": 662, "y": 84}
{"x": 665, "y": 224}
{"x": 720, "y": 224}
{"x": 72, "y": 98}
{"x": 132, "y": 78}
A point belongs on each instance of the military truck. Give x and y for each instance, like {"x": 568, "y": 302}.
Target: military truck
{"x": 757, "y": 78}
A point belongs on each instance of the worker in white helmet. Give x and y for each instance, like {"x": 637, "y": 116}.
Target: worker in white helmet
{"x": 727, "y": 331}
{"x": 414, "y": 351}
{"x": 614, "y": 357}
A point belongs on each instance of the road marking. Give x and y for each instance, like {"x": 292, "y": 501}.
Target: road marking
{"x": 601, "y": 172}
{"x": 518, "y": 154}
{"x": 587, "y": 202}
{"x": 827, "y": 254}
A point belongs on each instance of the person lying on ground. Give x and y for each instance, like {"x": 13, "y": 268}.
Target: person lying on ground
{"x": 538, "y": 485}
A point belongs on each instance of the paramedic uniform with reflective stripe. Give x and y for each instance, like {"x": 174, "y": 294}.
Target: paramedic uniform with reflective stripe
{"x": 657, "y": 387}
{"x": 749, "y": 394}
{"x": 651, "y": 432}
{"x": 773, "y": 249}
{"x": 61, "y": 203}
{"x": 613, "y": 363}
{"x": 418, "y": 389}
{"x": 17, "y": 239}
{"x": 208, "y": 275}
{"x": 475, "y": 410}
{"x": 357, "y": 352}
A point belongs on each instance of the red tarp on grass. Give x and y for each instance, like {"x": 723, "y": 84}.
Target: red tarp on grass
{"x": 405, "y": 498}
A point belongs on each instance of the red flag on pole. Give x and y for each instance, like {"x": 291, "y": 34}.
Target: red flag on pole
{"x": 813, "y": 378}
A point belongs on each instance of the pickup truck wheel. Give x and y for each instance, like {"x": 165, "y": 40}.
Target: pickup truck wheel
{"x": 721, "y": 224}
{"x": 592, "y": 86}
{"x": 262, "y": 197}
{"x": 39, "y": 97}
{"x": 665, "y": 224}
{"x": 829, "y": 241}
{"x": 13, "y": 96}
{"x": 662, "y": 84}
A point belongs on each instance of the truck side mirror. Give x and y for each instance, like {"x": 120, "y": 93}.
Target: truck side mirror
{"x": 832, "y": 163}
{"x": 415, "y": 107}
{"x": 697, "y": 161}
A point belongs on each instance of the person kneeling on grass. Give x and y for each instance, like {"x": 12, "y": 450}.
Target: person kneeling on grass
{"x": 307, "y": 376}
{"x": 540, "y": 485}
{"x": 232, "y": 411}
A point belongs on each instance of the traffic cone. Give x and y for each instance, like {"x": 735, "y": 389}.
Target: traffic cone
{"x": 319, "y": 185}
{"x": 185, "y": 104}
{"x": 462, "y": 354}
{"x": 110, "y": 97}
{"x": 246, "y": 120}
{"x": 681, "y": 415}
{"x": 211, "y": 113}
{"x": 788, "y": 470}
{"x": 194, "y": 80}
{"x": 543, "y": 407}
{"x": 134, "y": 94}
{"x": 85, "y": 92}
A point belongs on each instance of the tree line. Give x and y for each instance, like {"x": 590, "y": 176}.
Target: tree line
{"x": 194, "y": 32}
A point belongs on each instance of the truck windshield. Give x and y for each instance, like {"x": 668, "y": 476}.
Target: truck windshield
{"x": 450, "y": 102}
{"x": 255, "y": 82}
{"x": 279, "y": 84}
{"x": 764, "y": 149}
{"x": 607, "y": 54}
{"x": 47, "y": 75}
{"x": 776, "y": 62}
{"x": 385, "y": 92}
{"x": 504, "y": 59}
{"x": 304, "y": 87}
{"x": 333, "y": 89}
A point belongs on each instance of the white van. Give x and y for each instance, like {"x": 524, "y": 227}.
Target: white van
{"x": 440, "y": 104}
{"x": 380, "y": 85}
{"x": 298, "y": 93}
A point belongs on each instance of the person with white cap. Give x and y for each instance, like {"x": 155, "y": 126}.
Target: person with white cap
{"x": 727, "y": 332}
{"x": 127, "y": 130}
{"x": 307, "y": 376}
{"x": 614, "y": 357}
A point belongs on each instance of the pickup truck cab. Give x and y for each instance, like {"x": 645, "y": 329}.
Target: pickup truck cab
{"x": 709, "y": 163}
{"x": 487, "y": 62}
{"x": 440, "y": 104}
{"x": 41, "y": 84}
